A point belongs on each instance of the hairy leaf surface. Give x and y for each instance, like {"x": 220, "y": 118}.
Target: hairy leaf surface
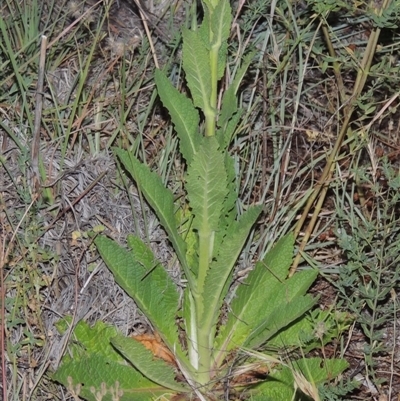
{"x": 146, "y": 281}
{"x": 222, "y": 267}
{"x": 207, "y": 185}
{"x": 196, "y": 63}
{"x": 153, "y": 368}
{"x": 229, "y": 213}
{"x": 99, "y": 374}
{"x": 93, "y": 361}
{"x": 183, "y": 114}
{"x": 254, "y": 292}
{"x": 280, "y": 317}
{"x": 161, "y": 200}
{"x": 221, "y": 21}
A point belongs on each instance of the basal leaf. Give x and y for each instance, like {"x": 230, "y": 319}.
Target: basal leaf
{"x": 190, "y": 322}
{"x": 280, "y": 257}
{"x": 279, "y": 386}
{"x": 207, "y": 185}
{"x": 280, "y": 317}
{"x": 93, "y": 362}
{"x": 257, "y": 296}
{"x": 147, "y": 282}
{"x": 150, "y": 366}
{"x": 286, "y": 295}
{"x": 90, "y": 340}
{"x": 94, "y": 374}
{"x": 318, "y": 370}
{"x": 183, "y": 114}
{"x": 161, "y": 200}
{"x": 222, "y": 267}
{"x": 318, "y": 327}
{"x": 196, "y": 64}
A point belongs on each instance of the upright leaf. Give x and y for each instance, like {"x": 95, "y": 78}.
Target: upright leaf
{"x": 221, "y": 21}
{"x": 254, "y": 298}
{"x": 196, "y": 64}
{"x": 147, "y": 282}
{"x": 229, "y": 101}
{"x": 161, "y": 200}
{"x": 207, "y": 185}
{"x": 222, "y": 267}
{"x": 229, "y": 213}
{"x": 277, "y": 318}
{"x": 183, "y": 114}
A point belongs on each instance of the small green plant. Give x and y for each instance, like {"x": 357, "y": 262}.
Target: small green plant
{"x": 369, "y": 234}
{"x": 199, "y": 348}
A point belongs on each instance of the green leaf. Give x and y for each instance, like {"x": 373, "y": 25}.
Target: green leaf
{"x": 95, "y": 374}
{"x": 196, "y": 64}
{"x": 91, "y": 340}
{"x": 225, "y": 134}
{"x": 161, "y": 200}
{"x": 229, "y": 213}
{"x": 229, "y": 106}
{"x": 221, "y": 20}
{"x": 229, "y": 101}
{"x": 318, "y": 370}
{"x": 94, "y": 362}
{"x": 264, "y": 290}
{"x": 207, "y": 185}
{"x": 246, "y": 61}
{"x": 222, "y": 267}
{"x": 279, "y": 386}
{"x": 149, "y": 290}
{"x": 279, "y": 259}
{"x": 183, "y": 114}
{"x": 280, "y": 317}
{"x": 190, "y": 322}
{"x": 153, "y": 368}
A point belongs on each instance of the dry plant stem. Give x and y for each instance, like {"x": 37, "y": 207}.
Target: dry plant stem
{"x": 2, "y": 316}
{"x": 76, "y": 200}
{"x": 146, "y": 27}
{"x": 322, "y": 185}
{"x": 38, "y": 118}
